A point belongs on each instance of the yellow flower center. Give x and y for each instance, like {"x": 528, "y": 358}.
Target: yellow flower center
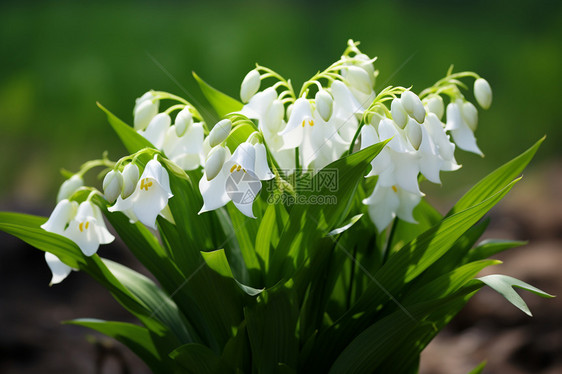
{"x": 146, "y": 183}
{"x": 310, "y": 122}
{"x": 394, "y": 189}
{"x": 84, "y": 226}
{"x": 236, "y": 167}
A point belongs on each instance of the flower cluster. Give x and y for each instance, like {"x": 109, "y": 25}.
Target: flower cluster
{"x": 276, "y": 132}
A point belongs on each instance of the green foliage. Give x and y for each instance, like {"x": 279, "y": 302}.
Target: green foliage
{"x": 303, "y": 288}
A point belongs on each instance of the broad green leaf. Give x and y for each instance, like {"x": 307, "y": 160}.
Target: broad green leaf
{"x": 496, "y": 180}
{"x": 347, "y": 226}
{"x": 138, "y": 339}
{"x": 218, "y": 262}
{"x": 222, "y": 103}
{"x": 238, "y": 136}
{"x": 490, "y": 247}
{"x": 271, "y": 324}
{"x": 132, "y": 140}
{"x": 199, "y": 359}
{"x": 154, "y": 299}
{"x": 504, "y": 285}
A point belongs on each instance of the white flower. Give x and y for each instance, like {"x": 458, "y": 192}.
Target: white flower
{"x": 358, "y": 73}
{"x": 87, "y": 229}
{"x": 63, "y": 213}
{"x": 434, "y": 104}
{"x": 220, "y": 132}
{"x": 146, "y": 107}
{"x": 461, "y": 120}
{"x": 150, "y": 197}
{"x": 239, "y": 179}
{"x": 183, "y": 121}
{"x": 250, "y": 85}
{"x": 112, "y": 185}
{"x": 130, "y": 179}
{"x": 483, "y": 93}
{"x": 269, "y": 111}
{"x": 185, "y": 150}
{"x": 157, "y": 129}
{"x": 69, "y": 186}
{"x": 388, "y": 202}
{"x": 58, "y": 268}
{"x": 324, "y": 104}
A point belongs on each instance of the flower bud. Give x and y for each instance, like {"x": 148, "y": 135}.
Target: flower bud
{"x": 470, "y": 115}
{"x": 399, "y": 115}
{"x": 130, "y": 179}
{"x": 144, "y": 112}
{"x": 112, "y": 185}
{"x": 414, "y": 133}
{"x": 156, "y": 131}
{"x": 324, "y": 104}
{"x": 214, "y": 162}
{"x": 413, "y": 106}
{"x": 220, "y": 132}
{"x": 483, "y": 93}
{"x": 358, "y": 78}
{"x": 183, "y": 121}
{"x": 435, "y": 105}
{"x": 250, "y": 85}
{"x": 69, "y": 186}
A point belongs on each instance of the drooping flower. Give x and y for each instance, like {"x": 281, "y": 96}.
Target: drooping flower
{"x": 150, "y": 197}
{"x": 462, "y": 118}
{"x": 250, "y": 85}
{"x": 388, "y": 202}
{"x": 185, "y": 149}
{"x": 239, "y": 178}
{"x": 87, "y": 229}
{"x": 112, "y": 185}
{"x": 59, "y": 269}
{"x": 483, "y": 93}
{"x": 146, "y": 107}
{"x": 157, "y": 129}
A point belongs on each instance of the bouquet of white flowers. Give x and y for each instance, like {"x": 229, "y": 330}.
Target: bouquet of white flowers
{"x": 287, "y": 232}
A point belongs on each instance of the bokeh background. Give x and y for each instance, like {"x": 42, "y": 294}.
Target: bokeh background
{"x": 59, "y": 58}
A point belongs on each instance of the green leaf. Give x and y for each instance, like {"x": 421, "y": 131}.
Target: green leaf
{"x": 504, "y": 285}
{"x": 154, "y": 299}
{"x": 199, "y": 359}
{"x": 496, "y": 180}
{"x": 217, "y": 261}
{"x": 490, "y": 247}
{"x": 271, "y": 324}
{"x": 238, "y": 136}
{"x": 132, "y": 140}
{"x": 478, "y": 369}
{"x": 138, "y": 339}
{"x": 222, "y": 103}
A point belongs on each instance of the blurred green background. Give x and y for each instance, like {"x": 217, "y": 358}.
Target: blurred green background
{"x": 59, "y": 58}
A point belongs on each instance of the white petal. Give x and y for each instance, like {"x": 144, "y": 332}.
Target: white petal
{"x": 262, "y": 168}
{"x": 301, "y": 113}
{"x": 59, "y": 269}
{"x": 243, "y": 188}
{"x": 369, "y": 136}
{"x": 382, "y": 205}
{"x": 465, "y": 140}
{"x": 213, "y": 192}
{"x": 84, "y": 235}
{"x": 454, "y": 118}
{"x": 124, "y": 206}
{"x": 157, "y": 129}
{"x": 62, "y": 214}
{"x": 345, "y": 104}
{"x": 406, "y": 172}
{"x": 155, "y": 170}
{"x": 408, "y": 202}
{"x": 245, "y": 156}
{"x": 147, "y": 203}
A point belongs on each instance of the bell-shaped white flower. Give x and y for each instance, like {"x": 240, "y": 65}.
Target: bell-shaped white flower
{"x": 358, "y": 73}
{"x": 63, "y": 213}
{"x": 250, "y": 85}
{"x": 130, "y": 179}
{"x": 157, "y": 129}
{"x": 69, "y": 186}
{"x": 59, "y": 269}
{"x": 388, "y": 202}
{"x": 324, "y": 104}
{"x": 87, "y": 229}
{"x": 112, "y": 185}
{"x": 358, "y": 78}
{"x": 146, "y": 107}
{"x": 268, "y": 110}
{"x": 413, "y": 105}
{"x": 239, "y": 180}
{"x": 483, "y": 93}
{"x": 399, "y": 114}
{"x": 185, "y": 150}
{"x": 215, "y": 160}
{"x": 459, "y": 128}
{"x": 150, "y": 197}
{"x": 434, "y": 104}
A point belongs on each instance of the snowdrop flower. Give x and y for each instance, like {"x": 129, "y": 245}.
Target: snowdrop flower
{"x": 483, "y": 93}
{"x": 157, "y": 129}
{"x": 239, "y": 178}
{"x": 146, "y": 107}
{"x": 69, "y": 186}
{"x": 462, "y": 118}
{"x": 434, "y": 104}
{"x": 269, "y": 111}
{"x": 324, "y": 104}
{"x": 250, "y": 85}
{"x": 150, "y": 197}
{"x": 183, "y": 121}
{"x": 220, "y": 132}
{"x": 63, "y": 213}
{"x": 185, "y": 150}
{"x": 441, "y": 141}
{"x": 386, "y": 203}
{"x": 130, "y": 179}
{"x": 359, "y": 75}
{"x": 87, "y": 229}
